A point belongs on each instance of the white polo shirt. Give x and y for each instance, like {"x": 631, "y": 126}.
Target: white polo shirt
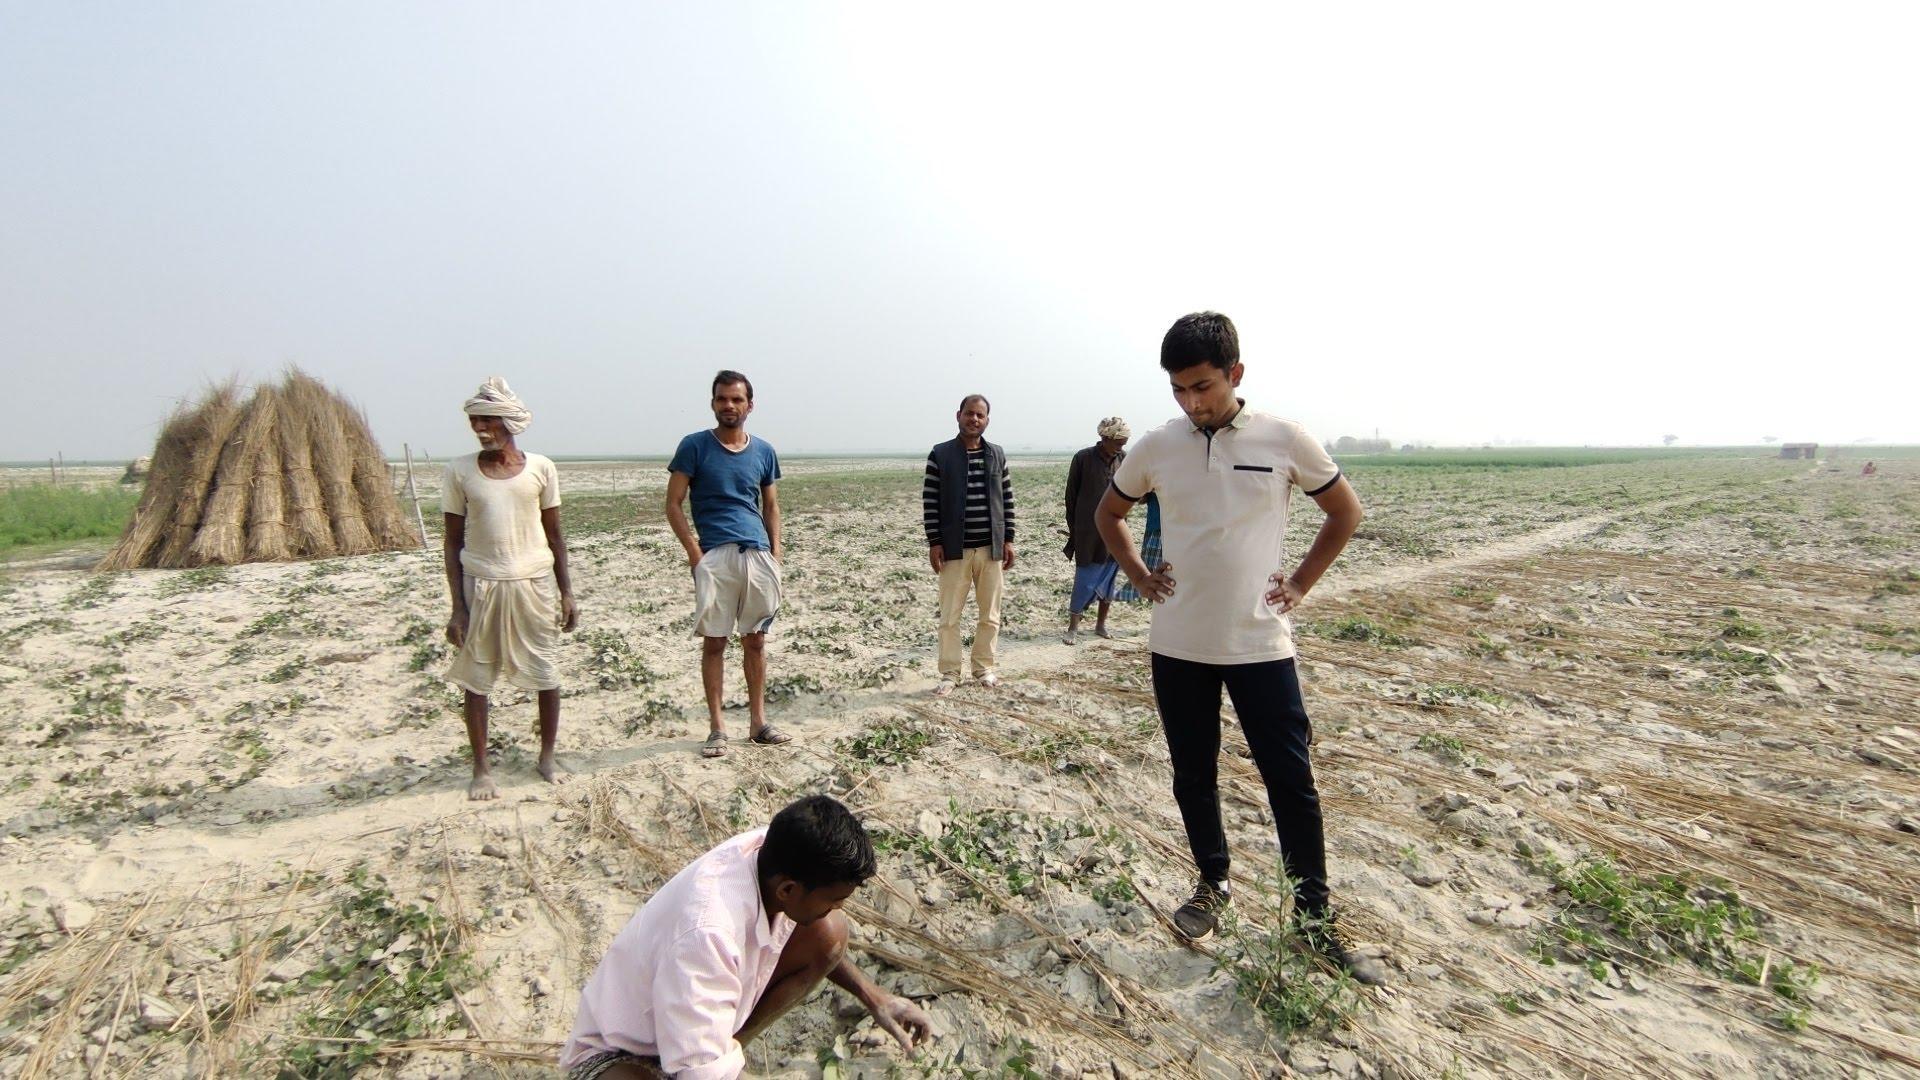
{"x": 1223, "y": 526}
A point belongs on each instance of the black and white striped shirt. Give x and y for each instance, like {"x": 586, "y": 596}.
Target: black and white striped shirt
{"x": 979, "y": 531}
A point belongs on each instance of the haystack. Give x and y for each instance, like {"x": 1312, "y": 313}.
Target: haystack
{"x": 290, "y": 473}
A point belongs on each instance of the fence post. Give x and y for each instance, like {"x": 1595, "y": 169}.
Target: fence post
{"x": 413, "y": 493}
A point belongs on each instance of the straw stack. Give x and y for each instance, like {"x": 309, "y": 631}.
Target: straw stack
{"x": 292, "y": 472}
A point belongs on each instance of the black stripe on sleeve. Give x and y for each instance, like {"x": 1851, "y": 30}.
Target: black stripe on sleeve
{"x": 1322, "y": 489}
{"x": 1115, "y": 488}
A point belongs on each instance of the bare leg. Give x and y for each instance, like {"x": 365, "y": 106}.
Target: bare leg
{"x": 713, "y": 676}
{"x": 549, "y": 729}
{"x": 812, "y": 952}
{"x": 1073, "y": 627}
{"x": 1100, "y": 620}
{"x": 475, "y": 710}
{"x": 753, "y": 649}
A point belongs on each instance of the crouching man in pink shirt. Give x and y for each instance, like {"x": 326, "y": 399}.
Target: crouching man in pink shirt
{"x": 740, "y": 936}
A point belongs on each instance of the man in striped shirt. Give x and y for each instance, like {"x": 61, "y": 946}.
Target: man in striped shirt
{"x": 967, "y": 504}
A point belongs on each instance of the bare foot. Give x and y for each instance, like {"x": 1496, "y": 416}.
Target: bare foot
{"x": 1103, "y": 632}
{"x": 549, "y": 770}
{"x": 482, "y": 787}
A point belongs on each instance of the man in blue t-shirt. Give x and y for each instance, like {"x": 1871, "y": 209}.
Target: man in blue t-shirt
{"x": 735, "y": 555}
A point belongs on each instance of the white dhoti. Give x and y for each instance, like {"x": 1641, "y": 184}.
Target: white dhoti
{"x": 513, "y": 634}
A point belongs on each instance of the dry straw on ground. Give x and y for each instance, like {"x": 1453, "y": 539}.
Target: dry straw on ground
{"x": 292, "y": 472}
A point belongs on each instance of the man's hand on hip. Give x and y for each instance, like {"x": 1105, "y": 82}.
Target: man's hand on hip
{"x": 1158, "y": 584}
{"x": 1286, "y": 593}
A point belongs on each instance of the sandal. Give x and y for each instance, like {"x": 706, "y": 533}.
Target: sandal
{"x": 770, "y": 736}
{"x": 715, "y": 746}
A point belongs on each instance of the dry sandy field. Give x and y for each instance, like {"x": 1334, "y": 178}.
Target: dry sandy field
{"x": 1618, "y": 758}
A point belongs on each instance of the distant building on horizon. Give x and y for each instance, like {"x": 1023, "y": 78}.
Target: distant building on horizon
{"x": 1794, "y": 450}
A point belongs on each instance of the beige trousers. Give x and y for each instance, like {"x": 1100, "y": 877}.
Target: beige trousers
{"x": 979, "y": 571}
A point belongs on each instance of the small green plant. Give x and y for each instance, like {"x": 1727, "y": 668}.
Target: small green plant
{"x": 427, "y": 641}
{"x": 1616, "y": 918}
{"x": 1900, "y": 583}
{"x": 652, "y": 711}
{"x": 1486, "y": 647}
{"x": 1275, "y": 972}
{"x": 187, "y": 581}
{"x": 1740, "y": 660}
{"x": 394, "y": 976}
{"x": 1007, "y": 847}
{"x": 270, "y": 623}
{"x": 612, "y": 660}
{"x": 888, "y": 742}
{"x": 284, "y": 672}
{"x": 1360, "y": 629}
{"x": 95, "y": 591}
{"x": 1739, "y": 628}
{"x": 1445, "y": 747}
{"x": 1454, "y": 693}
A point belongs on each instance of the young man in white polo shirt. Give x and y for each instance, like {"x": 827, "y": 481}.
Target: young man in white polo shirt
{"x": 1224, "y": 475}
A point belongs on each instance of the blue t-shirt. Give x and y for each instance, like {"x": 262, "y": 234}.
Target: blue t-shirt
{"x": 725, "y": 488}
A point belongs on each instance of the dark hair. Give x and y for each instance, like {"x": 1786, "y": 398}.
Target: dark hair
{"x": 1204, "y": 337}
{"x": 971, "y": 398}
{"x": 817, "y": 842}
{"x": 728, "y": 378}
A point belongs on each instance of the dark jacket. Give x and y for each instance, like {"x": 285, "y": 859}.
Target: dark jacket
{"x": 944, "y": 498}
{"x": 1087, "y": 480}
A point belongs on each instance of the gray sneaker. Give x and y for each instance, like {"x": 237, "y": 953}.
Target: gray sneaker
{"x": 1197, "y": 918}
{"x": 1324, "y": 935}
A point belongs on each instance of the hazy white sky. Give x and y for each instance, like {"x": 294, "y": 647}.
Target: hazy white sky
{"x": 1457, "y": 223}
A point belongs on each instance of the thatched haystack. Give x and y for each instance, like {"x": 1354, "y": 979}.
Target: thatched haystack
{"x": 290, "y": 473}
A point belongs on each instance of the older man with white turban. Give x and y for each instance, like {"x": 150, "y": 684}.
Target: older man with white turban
{"x": 507, "y": 571}
{"x": 1094, "y": 568}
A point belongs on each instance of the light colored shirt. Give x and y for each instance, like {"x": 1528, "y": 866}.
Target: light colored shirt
{"x": 683, "y": 976}
{"x": 504, "y": 538}
{"x": 1223, "y": 525}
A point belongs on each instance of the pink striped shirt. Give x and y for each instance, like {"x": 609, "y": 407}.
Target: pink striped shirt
{"x": 685, "y": 973}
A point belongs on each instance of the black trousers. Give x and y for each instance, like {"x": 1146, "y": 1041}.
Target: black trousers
{"x": 1274, "y": 718}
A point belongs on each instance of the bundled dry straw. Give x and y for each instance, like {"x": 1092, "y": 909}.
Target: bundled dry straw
{"x": 292, "y": 472}
{"x": 332, "y": 462}
{"x": 312, "y": 536}
{"x": 267, "y": 508}
{"x": 142, "y": 537}
{"x": 207, "y": 434}
{"x": 222, "y": 538}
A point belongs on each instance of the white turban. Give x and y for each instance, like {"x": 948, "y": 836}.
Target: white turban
{"x": 494, "y": 399}
{"x": 1114, "y": 428}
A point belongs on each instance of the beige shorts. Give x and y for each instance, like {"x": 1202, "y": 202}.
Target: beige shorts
{"x": 736, "y": 589}
{"x": 513, "y": 634}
